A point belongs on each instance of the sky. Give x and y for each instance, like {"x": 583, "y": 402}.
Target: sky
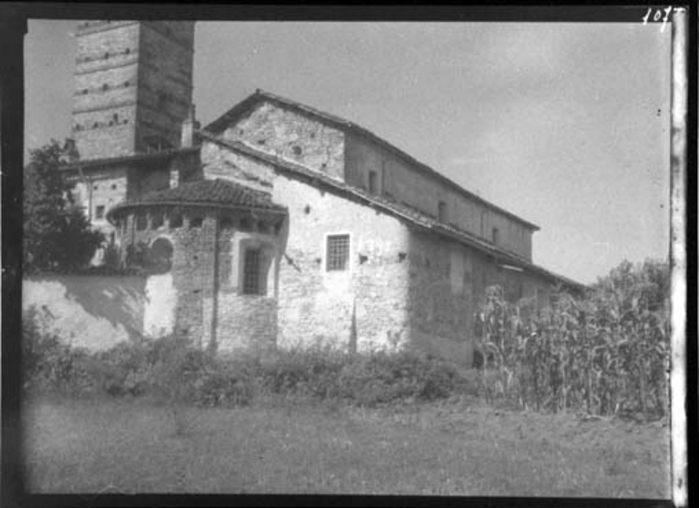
{"x": 565, "y": 124}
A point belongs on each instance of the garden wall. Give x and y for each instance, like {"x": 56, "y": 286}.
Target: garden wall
{"x": 90, "y": 311}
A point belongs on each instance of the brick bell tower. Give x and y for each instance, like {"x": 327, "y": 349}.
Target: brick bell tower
{"x": 133, "y": 86}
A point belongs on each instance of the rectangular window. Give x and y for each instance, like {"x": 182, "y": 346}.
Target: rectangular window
{"x": 496, "y": 236}
{"x": 196, "y": 222}
{"x": 337, "y": 253}
{"x": 251, "y": 272}
{"x": 442, "y": 212}
{"x": 99, "y": 212}
{"x": 371, "y": 183}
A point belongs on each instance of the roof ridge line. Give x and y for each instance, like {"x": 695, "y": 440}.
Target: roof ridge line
{"x": 263, "y": 94}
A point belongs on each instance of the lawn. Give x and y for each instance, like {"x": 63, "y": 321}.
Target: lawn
{"x": 461, "y": 448}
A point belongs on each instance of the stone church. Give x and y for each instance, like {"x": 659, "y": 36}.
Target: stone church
{"x": 277, "y": 224}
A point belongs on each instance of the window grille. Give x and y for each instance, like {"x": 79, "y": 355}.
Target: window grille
{"x": 338, "y": 253}
{"x": 252, "y": 284}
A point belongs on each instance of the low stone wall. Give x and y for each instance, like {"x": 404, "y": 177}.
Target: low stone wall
{"x": 94, "y": 312}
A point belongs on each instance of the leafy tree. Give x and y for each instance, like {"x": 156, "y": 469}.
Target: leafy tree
{"x": 57, "y": 235}
{"x": 645, "y": 286}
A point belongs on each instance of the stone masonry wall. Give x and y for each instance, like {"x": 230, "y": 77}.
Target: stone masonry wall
{"x": 192, "y": 265}
{"x": 318, "y": 305}
{"x": 448, "y": 282}
{"x": 292, "y": 136}
{"x": 398, "y": 180}
{"x": 133, "y": 81}
{"x": 103, "y": 187}
{"x": 441, "y": 302}
{"x": 246, "y": 321}
{"x": 106, "y": 76}
{"x": 219, "y": 162}
{"x": 165, "y": 81}
{"x": 204, "y": 285}
{"x": 401, "y": 288}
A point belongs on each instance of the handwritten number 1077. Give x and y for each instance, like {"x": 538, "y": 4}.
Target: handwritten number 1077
{"x": 657, "y": 14}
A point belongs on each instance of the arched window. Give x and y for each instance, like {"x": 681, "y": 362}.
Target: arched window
{"x": 160, "y": 256}
{"x": 255, "y": 267}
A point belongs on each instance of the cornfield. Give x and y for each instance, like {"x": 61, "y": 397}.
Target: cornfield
{"x": 605, "y": 353}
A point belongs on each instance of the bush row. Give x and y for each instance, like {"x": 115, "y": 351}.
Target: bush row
{"x": 170, "y": 368}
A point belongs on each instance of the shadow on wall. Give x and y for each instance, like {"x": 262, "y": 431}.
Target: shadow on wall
{"x": 440, "y": 312}
{"x": 119, "y": 300}
{"x": 90, "y": 311}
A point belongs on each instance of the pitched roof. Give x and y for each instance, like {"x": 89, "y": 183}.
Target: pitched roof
{"x": 260, "y": 96}
{"x": 216, "y": 193}
{"x": 140, "y": 157}
{"x": 411, "y": 215}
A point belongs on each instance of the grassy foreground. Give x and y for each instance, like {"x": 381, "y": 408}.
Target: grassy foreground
{"x": 457, "y": 448}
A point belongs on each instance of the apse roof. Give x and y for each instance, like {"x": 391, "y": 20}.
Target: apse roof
{"x": 212, "y": 193}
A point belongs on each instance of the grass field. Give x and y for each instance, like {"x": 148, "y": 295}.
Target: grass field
{"x": 462, "y": 448}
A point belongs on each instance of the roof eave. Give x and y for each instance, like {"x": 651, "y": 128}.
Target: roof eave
{"x": 136, "y": 158}
{"x": 124, "y": 207}
{"x": 425, "y": 225}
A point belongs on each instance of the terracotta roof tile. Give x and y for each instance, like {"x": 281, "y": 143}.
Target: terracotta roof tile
{"x": 216, "y": 192}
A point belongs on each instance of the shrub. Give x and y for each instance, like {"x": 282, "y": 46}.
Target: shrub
{"x": 224, "y": 385}
{"x": 122, "y": 369}
{"x": 305, "y": 372}
{"x": 175, "y": 373}
{"x": 48, "y": 363}
{"x": 383, "y": 378}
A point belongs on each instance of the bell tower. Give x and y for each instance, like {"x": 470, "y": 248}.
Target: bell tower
{"x": 133, "y": 86}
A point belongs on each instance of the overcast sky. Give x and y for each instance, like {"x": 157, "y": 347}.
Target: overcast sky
{"x": 566, "y": 125}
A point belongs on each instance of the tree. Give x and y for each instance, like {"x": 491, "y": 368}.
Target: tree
{"x": 57, "y": 235}
{"x": 644, "y": 286}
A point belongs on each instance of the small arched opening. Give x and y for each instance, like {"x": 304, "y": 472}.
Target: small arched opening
{"x": 160, "y": 256}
